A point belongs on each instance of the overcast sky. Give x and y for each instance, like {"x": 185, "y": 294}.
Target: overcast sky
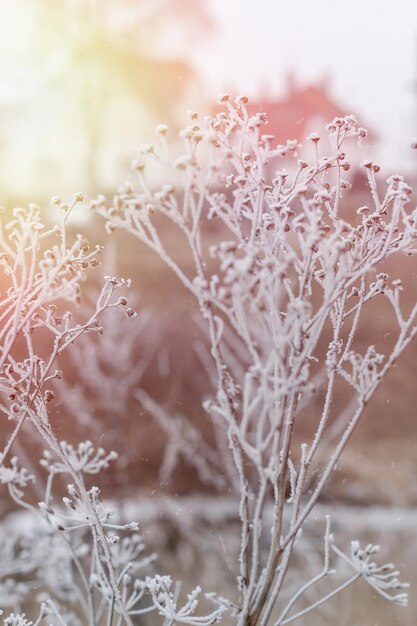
{"x": 368, "y": 47}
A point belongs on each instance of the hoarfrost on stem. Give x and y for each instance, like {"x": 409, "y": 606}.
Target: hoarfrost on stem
{"x": 281, "y": 290}
{"x": 289, "y": 272}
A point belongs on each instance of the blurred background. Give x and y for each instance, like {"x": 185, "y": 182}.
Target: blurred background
{"x": 82, "y": 84}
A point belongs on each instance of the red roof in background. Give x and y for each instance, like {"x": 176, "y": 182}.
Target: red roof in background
{"x": 296, "y": 114}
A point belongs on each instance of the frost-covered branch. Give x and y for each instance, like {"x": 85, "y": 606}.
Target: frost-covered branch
{"x": 285, "y": 278}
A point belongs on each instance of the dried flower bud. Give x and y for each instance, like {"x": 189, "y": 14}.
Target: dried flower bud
{"x": 161, "y": 129}
{"x": 138, "y": 165}
{"x": 49, "y": 395}
{"x": 313, "y": 137}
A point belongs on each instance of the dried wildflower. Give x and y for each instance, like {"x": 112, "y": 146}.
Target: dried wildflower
{"x": 84, "y": 459}
{"x": 14, "y": 476}
{"x": 83, "y": 513}
{"x": 283, "y": 281}
{"x": 382, "y": 578}
{"x": 291, "y": 276}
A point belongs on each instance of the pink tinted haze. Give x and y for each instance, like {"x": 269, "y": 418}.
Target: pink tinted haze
{"x": 366, "y": 49}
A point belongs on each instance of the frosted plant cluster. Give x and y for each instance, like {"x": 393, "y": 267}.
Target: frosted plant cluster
{"x": 281, "y": 284}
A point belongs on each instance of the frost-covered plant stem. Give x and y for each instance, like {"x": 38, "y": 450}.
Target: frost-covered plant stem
{"x": 322, "y": 600}
{"x": 96, "y": 527}
{"x": 289, "y": 275}
{"x": 37, "y": 280}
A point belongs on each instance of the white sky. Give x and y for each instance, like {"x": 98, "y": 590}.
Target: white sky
{"x": 368, "y": 47}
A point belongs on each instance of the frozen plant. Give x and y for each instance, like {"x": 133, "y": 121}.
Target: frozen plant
{"x": 382, "y": 578}
{"x": 42, "y": 272}
{"x": 166, "y": 604}
{"x": 107, "y": 367}
{"x": 283, "y": 282}
{"x": 36, "y": 282}
{"x": 107, "y": 370}
{"x": 78, "y": 551}
{"x": 281, "y": 288}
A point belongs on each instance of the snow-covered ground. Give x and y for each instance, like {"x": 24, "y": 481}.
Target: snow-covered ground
{"x": 197, "y": 539}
